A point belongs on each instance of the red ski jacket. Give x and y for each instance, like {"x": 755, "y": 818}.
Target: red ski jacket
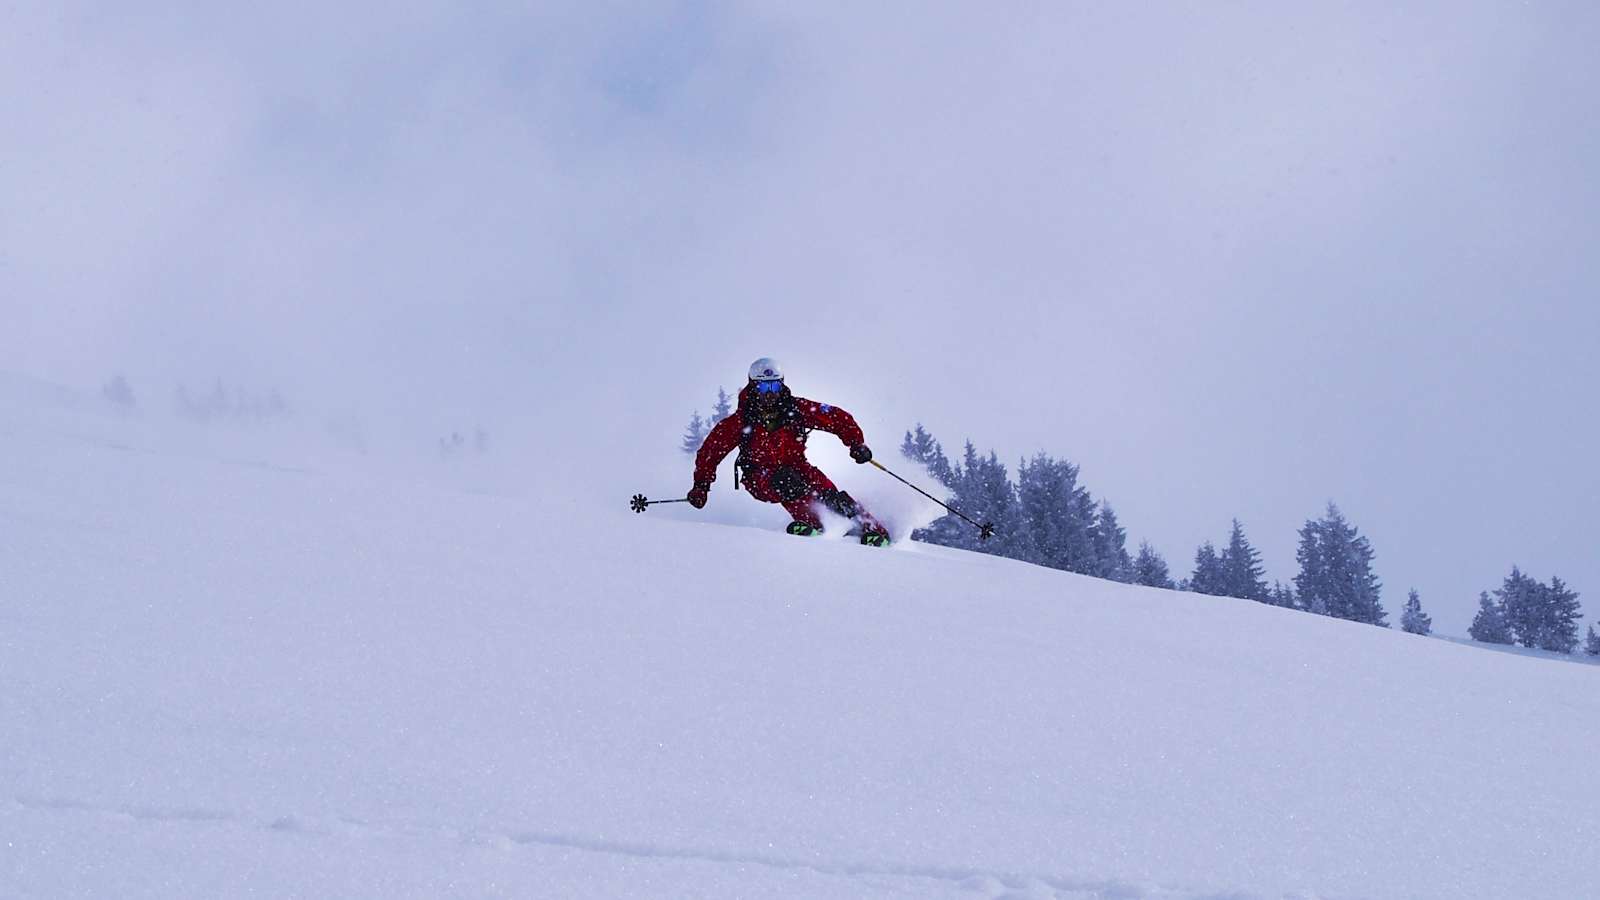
{"x": 769, "y": 448}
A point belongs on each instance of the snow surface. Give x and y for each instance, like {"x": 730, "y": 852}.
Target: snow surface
{"x": 229, "y": 670}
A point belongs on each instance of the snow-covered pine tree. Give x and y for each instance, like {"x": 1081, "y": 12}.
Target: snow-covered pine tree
{"x": 1111, "y": 546}
{"x": 920, "y": 447}
{"x": 968, "y": 498}
{"x": 992, "y": 498}
{"x": 1207, "y": 577}
{"x": 1150, "y": 569}
{"x": 1051, "y": 504}
{"x": 939, "y": 466}
{"x": 1000, "y": 502}
{"x": 1367, "y": 594}
{"x": 1561, "y": 617}
{"x": 694, "y": 435}
{"x": 1336, "y": 576}
{"x": 1521, "y": 601}
{"x": 1282, "y": 595}
{"x": 908, "y": 448}
{"x": 1242, "y": 573}
{"x": 1412, "y": 618}
{"x": 947, "y": 530}
{"x": 721, "y": 410}
{"x": 1489, "y": 625}
{"x": 1082, "y": 513}
{"x": 1044, "y": 490}
{"x": 1592, "y": 645}
{"x": 1312, "y": 557}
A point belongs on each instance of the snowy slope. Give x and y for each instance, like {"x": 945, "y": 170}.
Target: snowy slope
{"x": 224, "y": 673}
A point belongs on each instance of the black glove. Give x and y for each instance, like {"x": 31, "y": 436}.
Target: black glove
{"x": 699, "y": 494}
{"x": 861, "y": 453}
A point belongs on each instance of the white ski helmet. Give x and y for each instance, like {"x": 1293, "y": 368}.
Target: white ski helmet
{"x": 766, "y": 369}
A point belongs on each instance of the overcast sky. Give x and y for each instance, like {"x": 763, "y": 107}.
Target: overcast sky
{"x": 1233, "y": 259}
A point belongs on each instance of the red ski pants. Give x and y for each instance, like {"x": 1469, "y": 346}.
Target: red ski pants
{"x": 799, "y": 487}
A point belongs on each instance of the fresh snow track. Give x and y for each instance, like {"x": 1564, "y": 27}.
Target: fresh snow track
{"x": 843, "y": 877}
{"x": 296, "y": 678}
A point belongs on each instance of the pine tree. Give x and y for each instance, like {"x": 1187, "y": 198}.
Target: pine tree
{"x": 722, "y": 409}
{"x": 1592, "y": 645}
{"x": 694, "y": 435}
{"x": 1056, "y": 516}
{"x": 1150, "y": 569}
{"x": 939, "y": 466}
{"x": 983, "y": 492}
{"x": 996, "y": 502}
{"x": 1111, "y": 546}
{"x": 1313, "y": 561}
{"x": 1336, "y": 577}
{"x": 1521, "y": 601}
{"x": 1489, "y": 625}
{"x": 908, "y": 448}
{"x": 947, "y": 530}
{"x": 1242, "y": 574}
{"x": 920, "y": 447}
{"x": 1044, "y": 491}
{"x": 1207, "y": 577}
{"x": 1082, "y": 513}
{"x": 1282, "y": 595}
{"x": 1561, "y": 616}
{"x": 1412, "y": 619}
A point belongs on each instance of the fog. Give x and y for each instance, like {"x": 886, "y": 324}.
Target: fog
{"x": 1234, "y": 262}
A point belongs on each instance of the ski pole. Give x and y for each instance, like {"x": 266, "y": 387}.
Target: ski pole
{"x": 985, "y": 531}
{"x": 638, "y": 503}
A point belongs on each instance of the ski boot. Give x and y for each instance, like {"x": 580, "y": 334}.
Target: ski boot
{"x": 803, "y": 529}
{"x": 869, "y": 529}
{"x": 874, "y": 537}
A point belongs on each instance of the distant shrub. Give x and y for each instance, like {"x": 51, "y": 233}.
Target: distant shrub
{"x": 119, "y": 392}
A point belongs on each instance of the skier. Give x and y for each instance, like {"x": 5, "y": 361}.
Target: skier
{"x": 770, "y": 428}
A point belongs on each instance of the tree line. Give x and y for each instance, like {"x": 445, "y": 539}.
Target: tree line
{"x": 1047, "y": 516}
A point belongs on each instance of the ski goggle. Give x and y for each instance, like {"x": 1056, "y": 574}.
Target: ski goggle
{"x": 769, "y": 387}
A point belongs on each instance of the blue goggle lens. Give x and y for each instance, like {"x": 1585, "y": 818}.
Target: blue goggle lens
{"x": 769, "y": 387}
